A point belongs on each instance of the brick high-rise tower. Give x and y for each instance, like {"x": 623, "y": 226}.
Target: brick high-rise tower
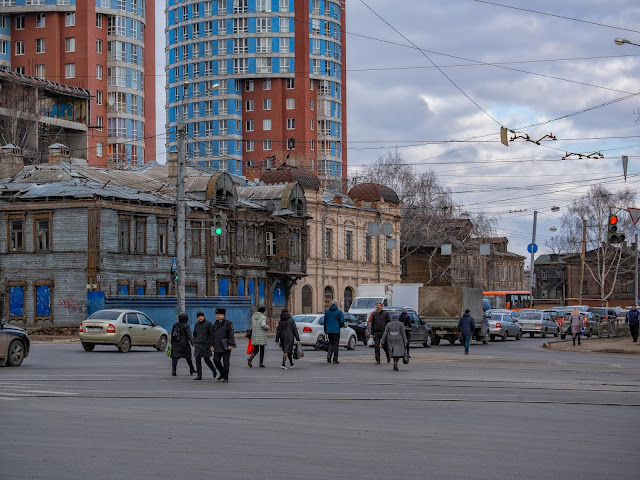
{"x": 261, "y": 82}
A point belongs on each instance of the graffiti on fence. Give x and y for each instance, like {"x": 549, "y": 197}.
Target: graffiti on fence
{"x": 72, "y": 305}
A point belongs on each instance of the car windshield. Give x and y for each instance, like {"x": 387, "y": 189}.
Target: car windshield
{"x": 530, "y": 316}
{"x": 105, "y": 315}
{"x": 365, "y": 302}
{"x": 304, "y": 318}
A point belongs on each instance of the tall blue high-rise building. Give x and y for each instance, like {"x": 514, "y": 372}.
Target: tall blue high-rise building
{"x": 257, "y": 83}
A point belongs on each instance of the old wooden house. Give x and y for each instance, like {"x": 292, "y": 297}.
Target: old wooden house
{"x": 69, "y": 232}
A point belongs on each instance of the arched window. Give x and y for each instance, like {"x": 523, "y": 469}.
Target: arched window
{"x": 328, "y": 296}
{"x": 348, "y": 298}
{"x": 307, "y": 299}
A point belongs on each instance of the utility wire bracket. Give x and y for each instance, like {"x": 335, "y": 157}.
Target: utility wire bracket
{"x": 582, "y": 155}
{"x": 529, "y": 139}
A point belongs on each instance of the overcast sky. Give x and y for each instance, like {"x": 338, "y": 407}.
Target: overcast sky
{"x": 543, "y": 67}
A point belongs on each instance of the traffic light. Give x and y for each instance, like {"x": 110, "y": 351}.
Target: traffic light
{"x": 612, "y": 233}
{"x": 219, "y": 224}
{"x": 175, "y": 275}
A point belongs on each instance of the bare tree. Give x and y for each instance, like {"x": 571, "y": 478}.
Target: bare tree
{"x": 595, "y": 207}
{"x": 427, "y": 213}
{"x": 20, "y": 128}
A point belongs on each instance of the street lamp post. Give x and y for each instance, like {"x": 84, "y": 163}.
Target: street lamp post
{"x": 622, "y": 41}
{"x": 533, "y": 242}
{"x": 181, "y": 226}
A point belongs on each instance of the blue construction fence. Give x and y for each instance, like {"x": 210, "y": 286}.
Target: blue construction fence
{"x": 163, "y": 310}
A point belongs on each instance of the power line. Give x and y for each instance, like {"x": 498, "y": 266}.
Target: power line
{"x": 555, "y": 15}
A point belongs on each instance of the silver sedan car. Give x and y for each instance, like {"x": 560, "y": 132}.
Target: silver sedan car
{"x": 503, "y": 325}
{"x": 538, "y": 322}
{"x": 311, "y": 328}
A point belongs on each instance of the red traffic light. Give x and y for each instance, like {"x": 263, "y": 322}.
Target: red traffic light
{"x": 613, "y": 220}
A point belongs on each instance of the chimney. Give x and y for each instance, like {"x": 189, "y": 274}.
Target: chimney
{"x": 172, "y": 162}
{"x": 58, "y": 153}
{"x": 11, "y": 160}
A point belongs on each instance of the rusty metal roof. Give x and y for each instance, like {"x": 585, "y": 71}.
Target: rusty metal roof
{"x": 44, "y": 84}
{"x": 373, "y": 192}
{"x": 289, "y": 173}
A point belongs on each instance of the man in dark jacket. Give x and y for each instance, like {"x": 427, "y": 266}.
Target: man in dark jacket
{"x": 633, "y": 320}
{"x": 379, "y": 321}
{"x": 333, "y": 322}
{"x": 223, "y": 342}
{"x": 466, "y": 327}
{"x": 202, "y": 344}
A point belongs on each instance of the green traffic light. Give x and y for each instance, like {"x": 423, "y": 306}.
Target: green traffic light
{"x": 218, "y": 231}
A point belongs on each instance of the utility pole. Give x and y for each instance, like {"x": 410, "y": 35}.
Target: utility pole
{"x": 181, "y": 226}
{"x": 635, "y": 299}
{"x": 533, "y": 242}
{"x": 582, "y": 258}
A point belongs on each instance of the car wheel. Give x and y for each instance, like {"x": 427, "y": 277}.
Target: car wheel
{"x": 15, "y": 354}
{"x": 492, "y": 337}
{"x": 428, "y": 341}
{"x": 504, "y": 337}
{"x": 436, "y": 341}
{"x": 452, "y": 340}
{"x": 125, "y": 344}
{"x": 531, "y": 334}
{"x": 589, "y": 333}
{"x": 544, "y": 334}
{"x": 162, "y": 344}
{"x": 351, "y": 345}
{"x": 88, "y": 347}
{"x": 518, "y": 336}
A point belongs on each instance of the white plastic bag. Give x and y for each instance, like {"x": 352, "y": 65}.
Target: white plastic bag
{"x": 371, "y": 342}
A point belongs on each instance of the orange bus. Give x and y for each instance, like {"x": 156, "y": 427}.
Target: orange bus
{"x": 511, "y": 300}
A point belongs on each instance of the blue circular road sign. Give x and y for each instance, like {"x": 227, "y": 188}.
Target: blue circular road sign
{"x": 532, "y": 248}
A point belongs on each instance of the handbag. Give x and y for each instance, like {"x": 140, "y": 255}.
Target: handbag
{"x": 299, "y": 350}
{"x": 250, "y": 347}
{"x": 405, "y": 358}
{"x": 371, "y": 342}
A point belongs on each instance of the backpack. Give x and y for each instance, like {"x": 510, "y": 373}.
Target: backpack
{"x": 176, "y": 334}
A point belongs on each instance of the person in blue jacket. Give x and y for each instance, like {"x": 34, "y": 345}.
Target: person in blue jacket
{"x": 633, "y": 319}
{"x": 466, "y": 327}
{"x": 333, "y": 322}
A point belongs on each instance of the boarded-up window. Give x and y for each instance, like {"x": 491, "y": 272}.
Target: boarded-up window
{"x": 16, "y": 301}
{"x": 43, "y": 302}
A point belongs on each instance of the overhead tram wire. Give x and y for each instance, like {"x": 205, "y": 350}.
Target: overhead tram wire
{"x": 432, "y": 62}
{"x": 556, "y": 16}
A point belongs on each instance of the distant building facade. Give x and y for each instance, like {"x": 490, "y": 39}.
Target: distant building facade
{"x": 105, "y": 46}
{"x": 342, "y": 254}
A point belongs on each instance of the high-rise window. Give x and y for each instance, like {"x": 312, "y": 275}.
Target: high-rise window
{"x": 19, "y": 22}
{"x": 291, "y": 103}
{"x": 290, "y": 83}
{"x": 263, "y": 65}
{"x": 266, "y": 124}
{"x": 40, "y": 20}
{"x": 284, "y": 45}
{"x": 249, "y": 106}
{"x": 70, "y": 44}
{"x": 262, "y": 24}
{"x": 99, "y": 97}
{"x": 70, "y": 70}
{"x": 98, "y": 46}
{"x": 266, "y": 104}
{"x": 250, "y": 126}
{"x": 40, "y": 45}
{"x": 40, "y": 71}
{"x": 240, "y": 6}
{"x": 285, "y": 66}
{"x": 240, "y": 25}
{"x": 263, "y": 45}
{"x": 348, "y": 245}
{"x": 250, "y": 146}
{"x": 284, "y": 25}
{"x": 70, "y": 19}
{"x": 263, "y": 5}
{"x": 240, "y": 45}
{"x": 266, "y": 144}
{"x": 266, "y": 84}
{"x": 98, "y": 72}
{"x": 284, "y": 5}
{"x": 291, "y": 123}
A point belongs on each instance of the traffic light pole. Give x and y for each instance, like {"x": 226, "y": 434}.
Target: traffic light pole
{"x": 533, "y": 242}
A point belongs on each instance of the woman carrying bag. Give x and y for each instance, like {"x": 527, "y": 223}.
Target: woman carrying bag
{"x": 259, "y": 329}
{"x": 396, "y": 340}
{"x": 286, "y": 336}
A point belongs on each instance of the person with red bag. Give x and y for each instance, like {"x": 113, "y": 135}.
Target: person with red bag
{"x": 258, "y": 336}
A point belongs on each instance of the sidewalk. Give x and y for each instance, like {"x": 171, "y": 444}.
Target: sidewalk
{"x": 598, "y": 345}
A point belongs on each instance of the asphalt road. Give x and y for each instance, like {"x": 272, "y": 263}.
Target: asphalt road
{"x": 508, "y": 410}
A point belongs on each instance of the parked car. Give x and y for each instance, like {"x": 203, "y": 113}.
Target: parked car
{"x": 538, "y": 322}
{"x": 604, "y": 314}
{"x": 553, "y": 314}
{"x": 506, "y": 311}
{"x": 589, "y": 324}
{"x": 311, "y": 329}
{"x": 122, "y": 328}
{"x": 351, "y": 321}
{"x": 420, "y": 330}
{"x": 503, "y": 325}
{"x": 14, "y": 344}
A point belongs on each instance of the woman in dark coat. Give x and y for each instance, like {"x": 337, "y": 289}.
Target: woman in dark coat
{"x": 286, "y": 336}
{"x": 181, "y": 341}
{"x": 396, "y": 339}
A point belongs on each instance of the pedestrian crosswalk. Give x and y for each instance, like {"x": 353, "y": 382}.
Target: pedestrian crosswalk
{"x": 15, "y": 391}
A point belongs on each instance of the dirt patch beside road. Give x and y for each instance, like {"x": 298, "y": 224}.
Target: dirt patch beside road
{"x": 599, "y": 345}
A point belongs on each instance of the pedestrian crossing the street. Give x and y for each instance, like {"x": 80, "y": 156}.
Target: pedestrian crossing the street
{"x": 15, "y": 391}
